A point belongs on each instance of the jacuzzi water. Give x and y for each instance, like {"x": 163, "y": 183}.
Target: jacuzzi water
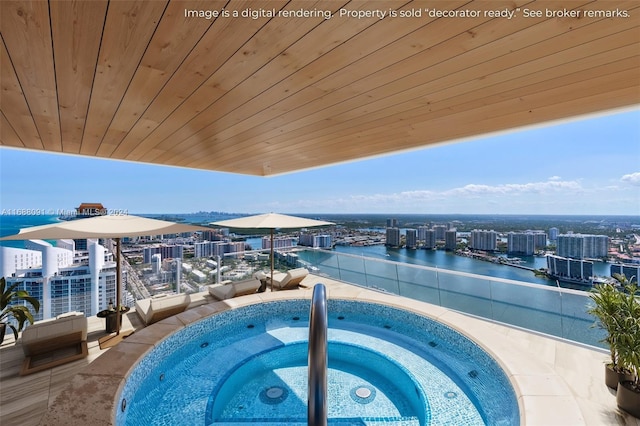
{"x": 249, "y": 365}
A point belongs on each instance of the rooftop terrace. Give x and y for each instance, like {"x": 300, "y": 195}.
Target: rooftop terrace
{"x": 557, "y": 382}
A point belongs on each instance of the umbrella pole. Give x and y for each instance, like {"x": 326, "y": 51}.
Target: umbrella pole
{"x": 272, "y": 260}
{"x": 118, "y": 284}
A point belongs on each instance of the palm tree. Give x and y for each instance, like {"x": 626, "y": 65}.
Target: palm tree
{"x": 10, "y": 309}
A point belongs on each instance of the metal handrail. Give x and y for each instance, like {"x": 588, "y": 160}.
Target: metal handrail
{"x": 318, "y": 358}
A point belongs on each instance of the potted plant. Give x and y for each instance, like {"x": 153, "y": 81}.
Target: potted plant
{"x": 628, "y": 395}
{"x": 10, "y": 310}
{"x": 607, "y": 310}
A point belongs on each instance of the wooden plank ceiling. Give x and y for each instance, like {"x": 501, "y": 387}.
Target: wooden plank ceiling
{"x": 261, "y": 95}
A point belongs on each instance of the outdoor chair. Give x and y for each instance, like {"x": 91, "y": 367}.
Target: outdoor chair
{"x": 161, "y": 306}
{"x": 289, "y": 280}
{"x": 54, "y": 342}
{"x": 229, "y": 289}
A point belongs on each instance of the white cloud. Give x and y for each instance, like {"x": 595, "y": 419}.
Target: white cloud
{"x": 516, "y": 188}
{"x": 555, "y": 178}
{"x": 468, "y": 197}
{"x": 631, "y": 178}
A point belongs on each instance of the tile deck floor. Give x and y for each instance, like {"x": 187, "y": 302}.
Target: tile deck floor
{"x": 560, "y": 383}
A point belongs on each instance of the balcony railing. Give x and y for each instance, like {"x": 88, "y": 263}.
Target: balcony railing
{"x": 555, "y": 311}
{"x": 551, "y": 310}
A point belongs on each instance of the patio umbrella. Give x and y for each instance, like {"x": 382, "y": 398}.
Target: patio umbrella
{"x": 107, "y": 226}
{"x": 271, "y": 221}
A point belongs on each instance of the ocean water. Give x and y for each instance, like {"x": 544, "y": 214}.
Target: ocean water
{"x": 11, "y": 224}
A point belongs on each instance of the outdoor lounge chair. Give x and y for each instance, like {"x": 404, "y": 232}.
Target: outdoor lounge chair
{"x": 54, "y": 342}
{"x": 290, "y": 280}
{"x": 161, "y": 306}
{"x": 228, "y": 290}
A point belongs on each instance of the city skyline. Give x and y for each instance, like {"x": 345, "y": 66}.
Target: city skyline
{"x": 585, "y": 166}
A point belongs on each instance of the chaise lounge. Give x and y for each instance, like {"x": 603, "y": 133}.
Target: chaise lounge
{"x": 289, "y": 280}
{"x": 52, "y": 342}
{"x": 161, "y": 306}
{"x": 228, "y": 289}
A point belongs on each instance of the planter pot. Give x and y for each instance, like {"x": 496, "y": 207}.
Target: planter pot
{"x": 610, "y": 377}
{"x": 628, "y": 399}
{"x": 3, "y": 329}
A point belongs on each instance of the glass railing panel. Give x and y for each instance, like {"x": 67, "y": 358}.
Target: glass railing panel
{"x": 537, "y": 309}
{"x": 419, "y": 284}
{"x": 352, "y": 269}
{"x": 465, "y": 292}
{"x": 381, "y": 275}
{"x": 579, "y": 325}
{"x": 321, "y": 263}
{"x": 559, "y": 312}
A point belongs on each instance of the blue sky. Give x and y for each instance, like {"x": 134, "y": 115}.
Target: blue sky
{"x": 586, "y": 166}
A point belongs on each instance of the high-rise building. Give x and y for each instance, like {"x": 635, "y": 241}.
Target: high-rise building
{"x": 13, "y": 259}
{"x": 440, "y": 231}
{"x": 429, "y": 239}
{"x": 526, "y": 243}
{"x": 422, "y": 231}
{"x": 316, "y": 241}
{"x": 393, "y": 237}
{"x": 553, "y": 233}
{"x": 574, "y": 269}
{"x": 217, "y": 248}
{"x": 451, "y": 239}
{"x": 278, "y": 242}
{"x": 630, "y": 271}
{"x": 59, "y": 283}
{"x": 581, "y": 246}
{"x": 166, "y": 251}
{"x": 483, "y": 240}
{"x": 156, "y": 263}
{"x": 520, "y": 243}
{"x": 411, "y": 240}
{"x": 392, "y": 223}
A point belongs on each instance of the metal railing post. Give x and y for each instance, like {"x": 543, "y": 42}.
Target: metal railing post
{"x": 318, "y": 359}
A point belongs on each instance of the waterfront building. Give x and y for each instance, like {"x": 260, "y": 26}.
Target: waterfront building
{"x": 440, "y": 231}
{"x": 315, "y": 241}
{"x": 61, "y": 282}
{"x": 13, "y": 259}
{"x": 166, "y": 251}
{"x": 393, "y": 237}
{"x": 526, "y": 243}
{"x": 392, "y": 223}
{"x": 520, "y": 243}
{"x": 581, "y": 246}
{"x": 278, "y": 242}
{"x": 568, "y": 268}
{"x": 422, "y": 232}
{"x": 631, "y": 271}
{"x": 411, "y": 240}
{"x": 430, "y": 239}
{"x": 553, "y": 233}
{"x": 451, "y": 240}
{"x": 483, "y": 240}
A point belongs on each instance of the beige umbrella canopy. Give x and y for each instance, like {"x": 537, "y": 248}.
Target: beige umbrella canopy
{"x": 112, "y": 226}
{"x": 271, "y": 221}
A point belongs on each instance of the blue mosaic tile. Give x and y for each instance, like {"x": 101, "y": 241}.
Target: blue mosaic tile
{"x": 371, "y": 334}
